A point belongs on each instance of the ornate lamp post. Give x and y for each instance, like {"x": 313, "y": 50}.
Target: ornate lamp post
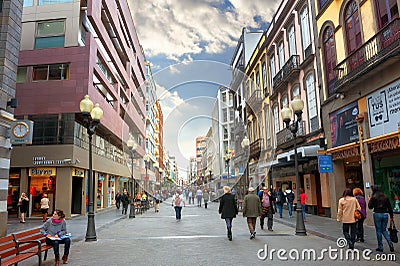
{"x": 245, "y": 146}
{"x": 227, "y": 159}
{"x": 132, "y": 146}
{"x": 297, "y": 106}
{"x": 146, "y": 159}
{"x": 91, "y": 119}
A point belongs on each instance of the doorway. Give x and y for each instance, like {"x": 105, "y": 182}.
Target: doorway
{"x": 76, "y": 205}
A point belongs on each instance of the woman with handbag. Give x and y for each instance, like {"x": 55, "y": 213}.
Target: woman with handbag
{"x": 380, "y": 203}
{"x": 228, "y": 209}
{"x": 357, "y": 192}
{"x": 346, "y": 207}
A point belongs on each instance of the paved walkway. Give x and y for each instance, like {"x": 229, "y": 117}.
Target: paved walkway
{"x": 199, "y": 239}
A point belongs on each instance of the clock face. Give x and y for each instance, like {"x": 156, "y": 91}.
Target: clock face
{"x": 20, "y": 129}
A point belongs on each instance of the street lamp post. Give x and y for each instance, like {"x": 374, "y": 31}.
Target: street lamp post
{"x": 91, "y": 119}
{"x": 227, "y": 159}
{"x": 245, "y": 145}
{"x": 132, "y": 146}
{"x": 297, "y": 106}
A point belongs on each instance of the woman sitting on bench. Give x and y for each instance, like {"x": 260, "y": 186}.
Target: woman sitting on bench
{"x": 55, "y": 230}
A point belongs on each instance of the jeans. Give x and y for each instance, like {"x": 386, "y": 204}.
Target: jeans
{"x": 360, "y": 229}
{"x": 56, "y": 245}
{"x": 199, "y": 201}
{"x": 280, "y": 205}
{"x": 381, "y": 221}
{"x": 290, "y": 208}
{"x": 228, "y": 222}
{"x": 268, "y": 215}
{"x": 178, "y": 211}
{"x": 350, "y": 237}
{"x": 303, "y": 211}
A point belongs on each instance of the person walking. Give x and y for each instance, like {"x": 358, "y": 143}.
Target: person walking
{"x": 118, "y": 198}
{"x": 289, "y": 195}
{"x": 125, "y": 202}
{"x": 23, "y": 203}
{"x": 44, "y": 207}
{"x": 251, "y": 210}
{"x": 199, "y": 196}
{"x": 157, "y": 202}
{"x": 280, "y": 199}
{"x": 178, "y": 201}
{"x": 193, "y": 195}
{"x": 346, "y": 207}
{"x": 357, "y": 192}
{"x": 266, "y": 199}
{"x": 303, "y": 202}
{"x": 228, "y": 209}
{"x": 380, "y": 203}
{"x": 55, "y": 230}
{"x": 206, "y": 197}
{"x": 190, "y": 196}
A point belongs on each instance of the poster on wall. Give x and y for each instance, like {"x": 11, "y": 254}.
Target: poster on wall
{"x": 344, "y": 128}
{"x": 384, "y": 110}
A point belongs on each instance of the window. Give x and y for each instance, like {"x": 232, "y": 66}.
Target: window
{"x": 311, "y": 102}
{"x": 50, "y": 34}
{"x": 276, "y": 119}
{"x": 252, "y": 84}
{"x": 50, "y": 72}
{"x": 267, "y": 127}
{"x": 28, "y": 3}
{"x": 352, "y": 25}
{"x": 231, "y": 115}
{"x": 272, "y": 70}
{"x": 284, "y": 101}
{"x": 281, "y": 55}
{"x": 295, "y": 91}
{"x": 51, "y": 2}
{"x": 292, "y": 41}
{"x": 224, "y": 97}
{"x": 329, "y": 57}
{"x": 258, "y": 80}
{"x": 225, "y": 115}
{"x": 305, "y": 28}
{"x": 322, "y": 3}
{"x": 387, "y": 11}
{"x": 264, "y": 75}
{"x": 21, "y": 74}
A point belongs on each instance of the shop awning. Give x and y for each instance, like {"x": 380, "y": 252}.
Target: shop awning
{"x": 304, "y": 151}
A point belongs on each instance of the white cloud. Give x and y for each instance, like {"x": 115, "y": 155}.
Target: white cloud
{"x": 181, "y": 28}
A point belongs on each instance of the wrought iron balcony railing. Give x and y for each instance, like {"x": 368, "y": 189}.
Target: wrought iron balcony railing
{"x": 291, "y": 66}
{"x": 255, "y": 148}
{"x": 285, "y": 135}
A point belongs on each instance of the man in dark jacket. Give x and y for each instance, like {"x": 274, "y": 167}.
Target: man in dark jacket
{"x": 251, "y": 210}
{"x": 125, "y": 202}
{"x": 118, "y": 198}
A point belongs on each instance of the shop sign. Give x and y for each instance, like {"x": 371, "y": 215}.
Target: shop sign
{"x": 343, "y": 124}
{"x": 384, "y": 145}
{"x": 325, "y": 163}
{"x": 41, "y": 171}
{"x": 384, "y": 110}
{"x": 78, "y": 172}
{"x": 347, "y": 153}
{"x": 123, "y": 179}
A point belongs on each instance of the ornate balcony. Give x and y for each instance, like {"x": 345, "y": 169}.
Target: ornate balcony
{"x": 284, "y": 137}
{"x": 374, "y": 52}
{"x": 287, "y": 72}
{"x": 255, "y": 148}
{"x": 255, "y": 99}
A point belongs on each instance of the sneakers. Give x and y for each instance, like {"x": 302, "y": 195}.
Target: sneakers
{"x": 270, "y": 229}
{"x": 252, "y": 235}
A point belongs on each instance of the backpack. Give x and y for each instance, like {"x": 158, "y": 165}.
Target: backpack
{"x": 278, "y": 197}
{"x": 290, "y": 196}
{"x": 178, "y": 201}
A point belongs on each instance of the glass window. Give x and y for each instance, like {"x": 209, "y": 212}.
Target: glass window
{"x": 21, "y": 74}
{"x": 272, "y": 70}
{"x": 50, "y": 72}
{"x": 311, "y": 98}
{"x": 305, "y": 27}
{"x": 353, "y": 29}
{"x": 40, "y": 72}
{"x": 281, "y": 55}
{"x": 50, "y": 28}
{"x": 295, "y": 91}
{"x": 267, "y": 127}
{"x": 258, "y": 80}
{"x": 329, "y": 56}
{"x": 264, "y": 75}
{"x": 51, "y": 2}
{"x": 387, "y": 11}
{"x": 276, "y": 119}
{"x": 28, "y": 3}
{"x": 292, "y": 41}
{"x": 284, "y": 101}
{"x": 322, "y": 3}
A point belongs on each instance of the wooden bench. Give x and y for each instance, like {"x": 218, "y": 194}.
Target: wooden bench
{"x": 22, "y": 246}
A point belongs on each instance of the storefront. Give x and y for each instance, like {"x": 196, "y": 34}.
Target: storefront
{"x": 13, "y": 194}
{"x": 100, "y": 192}
{"x": 78, "y": 177}
{"x": 42, "y": 180}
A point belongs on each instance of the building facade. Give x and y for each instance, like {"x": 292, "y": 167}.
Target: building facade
{"x": 70, "y": 49}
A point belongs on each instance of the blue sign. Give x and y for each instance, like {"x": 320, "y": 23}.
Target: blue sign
{"x": 325, "y": 163}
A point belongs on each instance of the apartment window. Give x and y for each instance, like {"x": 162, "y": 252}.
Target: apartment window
{"x": 295, "y": 91}
{"x": 252, "y": 84}
{"x": 292, "y": 41}
{"x": 281, "y": 54}
{"x": 50, "y": 72}
{"x": 305, "y": 28}
{"x": 329, "y": 55}
{"x": 52, "y": 2}
{"x": 258, "y": 80}
{"x": 231, "y": 115}
{"x": 27, "y": 3}
{"x": 276, "y": 119}
{"x": 387, "y": 11}
{"x": 311, "y": 102}
{"x": 267, "y": 127}
{"x": 230, "y": 96}
{"x": 264, "y": 75}
{"x": 352, "y": 25}
{"x": 322, "y": 3}
{"x": 224, "y": 97}
{"x": 272, "y": 69}
{"x": 22, "y": 74}
{"x": 225, "y": 115}
{"x": 284, "y": 101}
{"x": 50, "y": 34}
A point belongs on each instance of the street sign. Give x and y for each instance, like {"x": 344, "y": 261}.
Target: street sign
{"x": 325, "y": 163}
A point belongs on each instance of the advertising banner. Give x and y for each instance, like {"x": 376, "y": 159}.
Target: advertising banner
{"x": 344, "y": 128}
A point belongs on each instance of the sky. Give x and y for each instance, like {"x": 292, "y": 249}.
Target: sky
{"x": 190, "y": 44}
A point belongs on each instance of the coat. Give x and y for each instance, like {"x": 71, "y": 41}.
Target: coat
{"x": 346, "y": 207}
{"x": 206, "y": 197}
{"x": 251, "y": 206}
{"x": 228, "y": 206}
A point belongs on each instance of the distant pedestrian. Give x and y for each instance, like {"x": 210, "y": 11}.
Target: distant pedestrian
{"x": 193, "y": 195}
{"x": 303, "y": 202}
{"x": 44, "y": 207}
{"x": 178, "y": 201}
{"x": 157, "y": 202}
{"x": 125, "y": 202}
{"x": 199, "y": 196}
{"x": 266, "y": 199}
{"x": 118, "y": 198}
{"x": 55, "y": 230}
{"x": 206, "y": 197}
{"x": 252, "y": 210}
{"x": 274, "y": 193}
{"x": 346, "y": 207}
{"x": 190, "y": 196}
{"x": 289, "y": 199}
{"x": 23, "y": 203}
{"x": 382, "y": 210}
{"x": 280, "y": 200}
{"x": 228, "y": 209}
{"x": 357, "y": 192}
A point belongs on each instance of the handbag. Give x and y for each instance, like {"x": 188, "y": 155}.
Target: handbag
{"x": 358, "y": 215}
{"x": 393, "y": 232}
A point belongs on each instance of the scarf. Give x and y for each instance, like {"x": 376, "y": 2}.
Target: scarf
{"x": 56, "y": 221}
